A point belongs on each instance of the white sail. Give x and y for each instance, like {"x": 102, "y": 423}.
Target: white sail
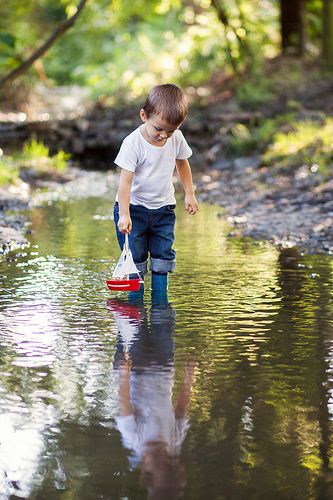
{"x": 125, "y": 265}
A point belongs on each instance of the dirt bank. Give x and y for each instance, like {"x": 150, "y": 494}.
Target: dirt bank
{"x": 288, "y": 210}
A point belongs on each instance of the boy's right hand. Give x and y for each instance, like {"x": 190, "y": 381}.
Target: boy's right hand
{"x": 125, "y": 224}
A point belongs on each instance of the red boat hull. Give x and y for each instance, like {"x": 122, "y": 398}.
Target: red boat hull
{"x": 124, "y": 285}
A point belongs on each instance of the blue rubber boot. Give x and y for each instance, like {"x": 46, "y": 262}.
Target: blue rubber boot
{"x": 137, "y": 296}
{"x": 159, "y": 286}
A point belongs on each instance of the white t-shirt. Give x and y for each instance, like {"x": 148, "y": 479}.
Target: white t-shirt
{"x": 153, "y": 418}
{"x": 153, "y": 167}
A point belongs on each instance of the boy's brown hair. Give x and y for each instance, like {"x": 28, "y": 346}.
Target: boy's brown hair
{"x": 168, "y": 101}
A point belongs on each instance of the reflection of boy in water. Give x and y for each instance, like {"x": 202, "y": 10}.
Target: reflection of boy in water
{"x": 151, "y": 427}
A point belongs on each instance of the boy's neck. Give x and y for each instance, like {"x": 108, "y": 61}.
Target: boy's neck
{"x": 144, "y": 133}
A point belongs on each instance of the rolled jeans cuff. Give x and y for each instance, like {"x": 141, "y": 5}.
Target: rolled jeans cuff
{"x": 142, "y": 267}
{"x": 162, "y": 266}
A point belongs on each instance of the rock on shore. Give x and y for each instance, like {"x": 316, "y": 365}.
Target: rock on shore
{"x": 11, "y": 221}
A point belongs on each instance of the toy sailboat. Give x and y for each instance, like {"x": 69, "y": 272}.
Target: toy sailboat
{"x": 125, "y": 267}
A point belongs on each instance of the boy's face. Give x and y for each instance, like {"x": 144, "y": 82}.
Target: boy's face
{"x": 157, "y": 131}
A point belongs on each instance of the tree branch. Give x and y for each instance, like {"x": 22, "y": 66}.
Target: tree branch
{"x": 45, "y": 47}
{"x": 221, "y": 13}
{"x": 223, "y": 18}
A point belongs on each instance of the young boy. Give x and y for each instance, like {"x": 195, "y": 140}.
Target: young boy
{"x": 145, "y": 201}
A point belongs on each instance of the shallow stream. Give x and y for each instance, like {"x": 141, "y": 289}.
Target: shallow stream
{"x": 225, "y": 391}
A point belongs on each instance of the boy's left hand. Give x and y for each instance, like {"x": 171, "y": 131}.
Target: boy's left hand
{"x": 191, "y": 204}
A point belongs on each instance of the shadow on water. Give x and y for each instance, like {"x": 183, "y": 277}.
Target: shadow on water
{"x": 225, "y": 392}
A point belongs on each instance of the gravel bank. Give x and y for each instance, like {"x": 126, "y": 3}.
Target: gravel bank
{"x": 287, "y": 210}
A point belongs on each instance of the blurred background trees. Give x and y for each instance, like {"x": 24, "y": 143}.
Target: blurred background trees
{"x": 125, "y": 46}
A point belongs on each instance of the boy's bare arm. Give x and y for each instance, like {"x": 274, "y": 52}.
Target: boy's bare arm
{"x": 185, "y": 177}
{"x": 125, "y": 405}
{"x": 184, "y": 398}
{"x": 124, "y": 189}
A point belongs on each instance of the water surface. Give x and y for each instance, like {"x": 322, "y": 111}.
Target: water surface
{"x": 223, "y": 392}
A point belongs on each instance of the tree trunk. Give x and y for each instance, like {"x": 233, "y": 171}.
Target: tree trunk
{"x": 328, "y": 33}
{"x": 43, "y": 48}
{"x": 293, "y": 30}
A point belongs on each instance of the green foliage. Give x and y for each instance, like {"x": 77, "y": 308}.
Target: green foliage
{"x": 314, "y": 20}
{"x": 35, "y": 150}
{"x": 9, "y": 172}
{"x": 246, "y": 140}
{"x": 287, "y": 143}
{"x": 123, "y": 45}
{"x": 24, "y": 25}
{"x": 37, "y": 156}
{"x": 139, "y": 54}
{"x": 7, "y": 41}
{"x": 254, "y": 93}
{"x": 307, "y": 143}
{"x": 8, "y": 58}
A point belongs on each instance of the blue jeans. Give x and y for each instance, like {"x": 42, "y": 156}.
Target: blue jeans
{"x": 153, "y": 234}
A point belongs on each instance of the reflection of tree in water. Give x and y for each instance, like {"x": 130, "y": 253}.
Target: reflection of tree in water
{"x": 152, "y": 428}
{"x": 289, "y": 404}
{"x": 263, "y": 423}
{"x": 218, "y": 427}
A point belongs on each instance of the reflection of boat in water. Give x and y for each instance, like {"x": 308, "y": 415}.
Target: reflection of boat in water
{"x": 152, "y": 427}
{"x": 127, "y": 317}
